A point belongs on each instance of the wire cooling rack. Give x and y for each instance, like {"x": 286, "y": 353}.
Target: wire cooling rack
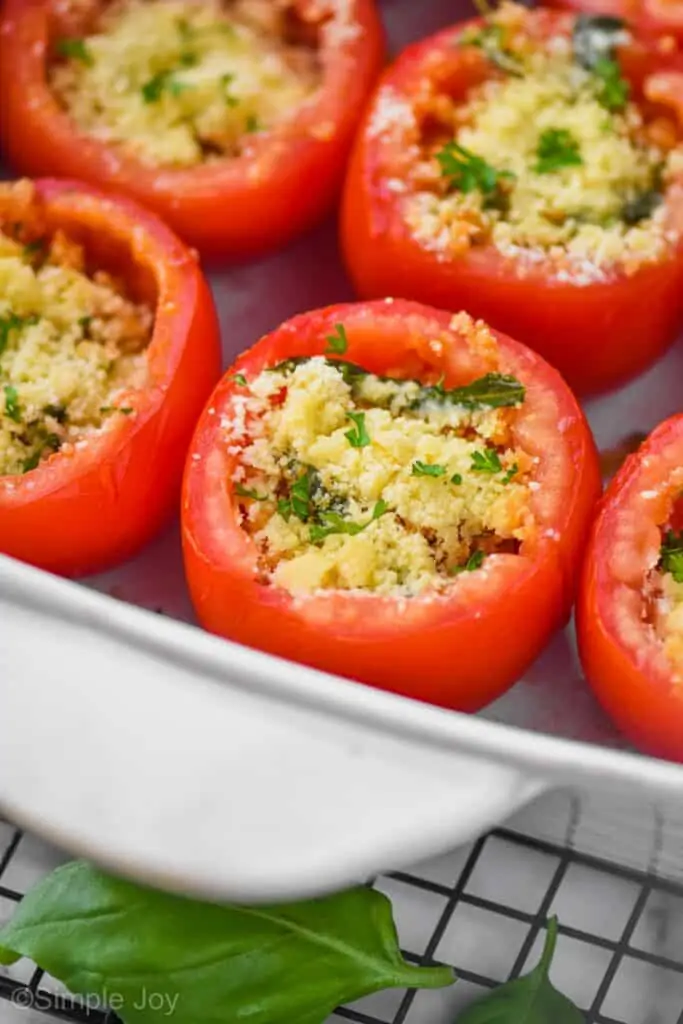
{"x": 480, "y": 909}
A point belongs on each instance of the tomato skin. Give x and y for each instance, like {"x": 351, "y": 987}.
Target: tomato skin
{"x": 598, "y": 334}
{"x": 461, "y": 651}
{"x": 622, "y": 658}
{"x": 282, "y": 185}
{"x": 88, "y": 508}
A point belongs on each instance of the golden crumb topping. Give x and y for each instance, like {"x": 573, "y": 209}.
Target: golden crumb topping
{"x": 348, "y": 480}
{"x": 181, "y": 82}
{"x": 71, "y": 348}
{"x": 549, "y": 156}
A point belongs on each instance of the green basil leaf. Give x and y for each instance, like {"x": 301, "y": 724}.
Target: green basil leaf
{"x": 493, "y": 391}
{"x": 290, "y": 964}
{"x": 527, "y": 1000}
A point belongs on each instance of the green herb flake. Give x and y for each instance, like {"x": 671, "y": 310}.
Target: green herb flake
{"x": 75, "y": 49}
{"x": 226, "y": 82}
{"x": 671, "y": 555}
{"x": 613, "y": 89}
{"x": 153, "y": 89}
{"x": 475, "y": 561}
{"x": 332, "y": 523}
{"x": 531, "y": 999}
{"x": 240, "y": 379}
{"x": 337, "y": 343}
{"x": 84, "y": 323}
{"x": 299, "y": 502}
{"x": 12, "y": 406}
{"x": 456, "y": 479}
{"x": 34, "y": 248}
{"x": 252, "y": 124}
{"x": 487, "y": 461}
{"x": 557, "y": 148}
{"x": 467, "y": 172}
{"x": 358, "y": 436}
{"x": 11, "y": 322}
{"x": 511, "y": 473}
{"x": 57, "y": 413}
{"x": 246, "y": 492}
{"x": 425, "y": 469}
{"x": 491, "y": 41}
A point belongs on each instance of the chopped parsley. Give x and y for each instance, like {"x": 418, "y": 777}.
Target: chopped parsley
{"x": 491, "y": 41}
{"x": 557, "y": 148}
{"x": 671, "y": 555}
{"x": 163, "y": 81}
{"x": 338, "y": 342}
{"x": 34, "y": 248}
{"x": 487, "y": 461}
{"x": 475, "y": 561}
{"x": 332, "y": 522}
{"x": 358, "y": 436}
{"x": 612, "y": 88}
{"x": 12, "y": 407}
{"x": 511, "y": 473}
{"x": 468, "y": 172}
{"x": 492, "y": 391}
{"x": 252, "y": 124}
{"x": 84, "y": 323}
{"x": 226, "y": 82}
{"x": 75, "y": 49}
{"x": 246, "y": 492}
{"x": 239, "y": 378}
{"x": 11, "y": 322}
{"x": 456, "y": 479}
{"x": 299, "y": 501}
{"x": 424, "y": 469}
{"x": 52, "y": 443}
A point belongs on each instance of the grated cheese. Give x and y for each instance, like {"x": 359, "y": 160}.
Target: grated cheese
{"x": 180, "y": 82}
{"x": 571, "y": 215}
{"x": 71, "y": 348}
{"x": 395, "y": 529}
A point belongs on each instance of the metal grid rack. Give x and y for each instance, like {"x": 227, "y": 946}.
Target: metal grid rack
{"x": 482, "y": 910}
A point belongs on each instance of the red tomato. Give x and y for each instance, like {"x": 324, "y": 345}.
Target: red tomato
{"x": 660, "y": 16}
{"x": 93, "y": 504}
{"x": 598, "y": 329}
{"x": 285, "y": 180}
{"x": 460, "y": 649}
{"x": 622, "y": 653}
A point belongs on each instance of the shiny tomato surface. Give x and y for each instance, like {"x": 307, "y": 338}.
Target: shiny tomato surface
{"x": 93, "y": 504}
{"x": 460, "y": 648}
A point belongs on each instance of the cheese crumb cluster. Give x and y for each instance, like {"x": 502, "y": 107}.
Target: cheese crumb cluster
{"x": 350, "y": 481}
{"x": 546, "y": 158}
{"x": 71, "y": 346}
{"x": 182, "y": 82}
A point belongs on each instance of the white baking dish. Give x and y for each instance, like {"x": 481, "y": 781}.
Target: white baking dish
{"x": 177, "y": 757}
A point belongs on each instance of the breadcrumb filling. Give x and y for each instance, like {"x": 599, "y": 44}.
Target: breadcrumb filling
{"x": 183, "y": 82}
{"x": 346, "y": 480}
{"x": 71, "y": 348}
{"x": 547, "y": 157}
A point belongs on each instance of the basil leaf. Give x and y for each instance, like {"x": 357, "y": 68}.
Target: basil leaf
{"x": 595, "y": 37}
{"x": 492, "y": 391}
{"x": 527, "y": 1000}
{"x": 292, "y": 964}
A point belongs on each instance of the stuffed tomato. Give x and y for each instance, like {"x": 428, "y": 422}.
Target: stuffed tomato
{"x": 109, "y": 347}
{"x": 528, "y": 166}
{"x": 232, "y": 120}
{"x": 391, "y": 493}
{"x": 630, "y": 606}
